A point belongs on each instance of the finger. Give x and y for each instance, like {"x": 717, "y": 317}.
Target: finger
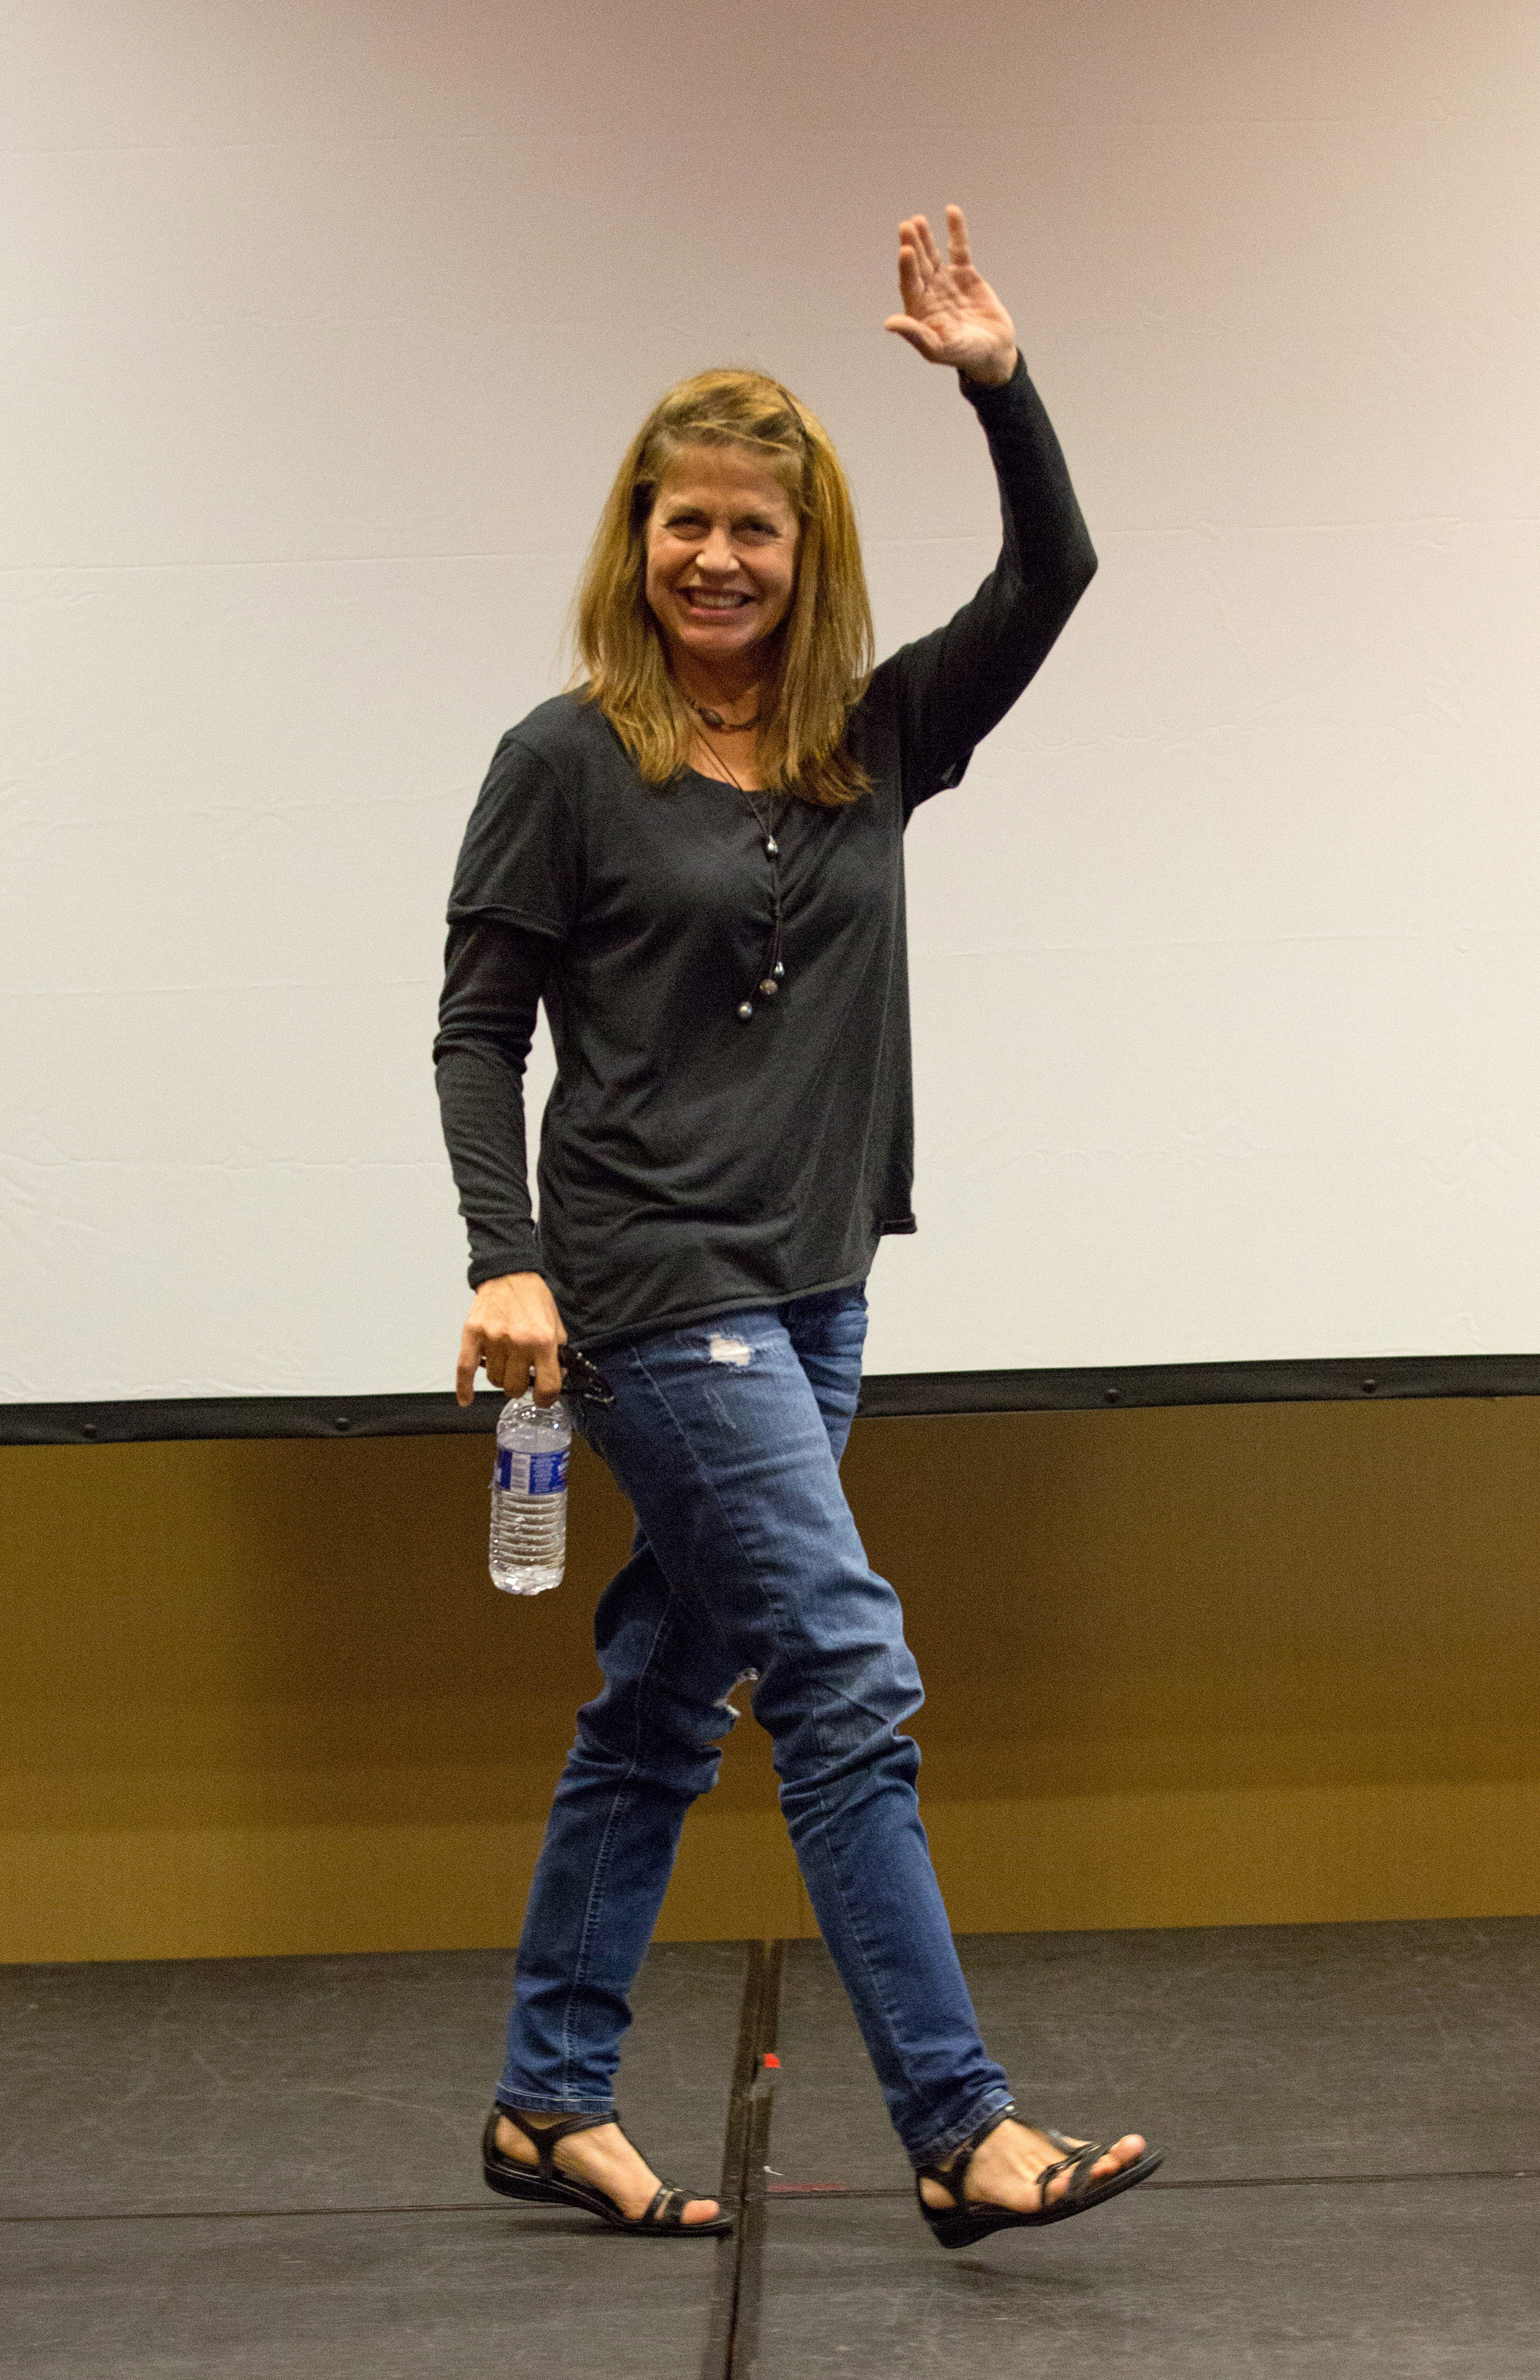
{"x": 932, "y": 253}
{"x": 957, "y": 236}
{"x": 510, "y": 1365}
{"x": 548, "y": 1376}
{"x": 464, "y": 1370}
{"x": 911, "y": 280}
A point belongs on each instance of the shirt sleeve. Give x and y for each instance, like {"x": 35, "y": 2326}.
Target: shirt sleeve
{"x": 493, "y": 976}
{"x": 945, "y": 692}
{"x": 521, "y": 860}
{"x": 514, "y": 899}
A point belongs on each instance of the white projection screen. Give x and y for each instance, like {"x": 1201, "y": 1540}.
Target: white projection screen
{"x": 325, "y": 324}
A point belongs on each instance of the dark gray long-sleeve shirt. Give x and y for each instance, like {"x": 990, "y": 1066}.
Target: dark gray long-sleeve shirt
{"x": 691, "y": 1162}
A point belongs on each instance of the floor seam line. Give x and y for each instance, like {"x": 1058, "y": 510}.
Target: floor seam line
{"x": 257, "y": 2214}
{"x": 731, "y": 2343}
{"x": 717, "y": 2361}
{"x": 811, "y": 2189}
{"x": 808, "y": 2190}
{"x": 830, "y": 2190}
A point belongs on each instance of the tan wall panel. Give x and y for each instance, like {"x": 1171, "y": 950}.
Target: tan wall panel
{"x": 1242, "y": 1664}
{"x": 259, "y": 1696}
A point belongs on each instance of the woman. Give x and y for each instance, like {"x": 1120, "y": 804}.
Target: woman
{"x": 696, "y": 860}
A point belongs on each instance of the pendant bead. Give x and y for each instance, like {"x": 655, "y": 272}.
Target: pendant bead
{"x": 770, "y": 987}
{"x": 745, "y": 1010}
{"x": 772, "y": 846}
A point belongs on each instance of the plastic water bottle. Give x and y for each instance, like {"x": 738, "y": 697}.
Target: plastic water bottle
{"x": 529, "y": 1495}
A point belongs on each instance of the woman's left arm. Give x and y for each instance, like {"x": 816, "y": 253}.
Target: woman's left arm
{"x": 953, "y": 686}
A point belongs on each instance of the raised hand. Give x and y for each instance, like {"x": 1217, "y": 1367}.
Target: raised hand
{"x": 951, "y": 314}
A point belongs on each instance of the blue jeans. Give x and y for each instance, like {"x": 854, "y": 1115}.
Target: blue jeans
{"x": 726, "y": 1436}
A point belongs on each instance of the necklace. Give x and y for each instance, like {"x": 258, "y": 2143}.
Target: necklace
{"x": 772, "y": 970}
{"x": 723, "y": 726}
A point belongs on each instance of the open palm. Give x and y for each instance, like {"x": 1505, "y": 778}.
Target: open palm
{"x": 951, "y": 314}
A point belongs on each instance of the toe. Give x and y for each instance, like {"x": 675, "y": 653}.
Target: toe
{"x": 1111, "y": 2161}
{"x": 700, "y": 2210}
{"x": 1123, "y": 2153}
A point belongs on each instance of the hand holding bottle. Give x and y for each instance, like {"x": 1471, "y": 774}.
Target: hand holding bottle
{"x": 513, "y": 1331}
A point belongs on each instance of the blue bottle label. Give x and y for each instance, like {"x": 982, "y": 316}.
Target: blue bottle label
{"x": 544, "y": 1473}
{"x": 548, "y": 1471}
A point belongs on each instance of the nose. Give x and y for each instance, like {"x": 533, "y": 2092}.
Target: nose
{"x": 715, "y": 553}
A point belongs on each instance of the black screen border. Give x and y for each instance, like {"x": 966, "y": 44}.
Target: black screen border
{"x": 885, "y": 1396}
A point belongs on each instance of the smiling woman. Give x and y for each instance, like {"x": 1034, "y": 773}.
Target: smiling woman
{"x": 725, "y": 590}
{"x": 696, "y": 859}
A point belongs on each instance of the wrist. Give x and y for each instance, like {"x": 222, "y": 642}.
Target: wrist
{"x": 504, "y": 1281}
{"x": 994, "y": 371}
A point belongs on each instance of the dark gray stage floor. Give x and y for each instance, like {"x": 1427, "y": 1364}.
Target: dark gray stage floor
{"x": 1241, "y": 2051}
{"x": 267, "y": 2168}
{"x": 242, "y": 2085}
{"x": 1398, "y": 2282}
{"x": 1279, "y": 2067}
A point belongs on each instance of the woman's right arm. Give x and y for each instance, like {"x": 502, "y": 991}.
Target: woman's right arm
{"x": 494, "y": 973}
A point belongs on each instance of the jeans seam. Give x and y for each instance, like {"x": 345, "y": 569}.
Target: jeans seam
{"x": 879, "y": 2000}
{"x": 602, "y": 1856}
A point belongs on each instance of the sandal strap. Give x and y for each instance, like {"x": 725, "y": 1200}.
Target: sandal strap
{"x": 951, "y": 2173}
{"x": 542, "y": 2138}
{"x": 1077, "y": 2164}
{"x": 1078, "y": 2158}
{"x": 665, "y": 2211}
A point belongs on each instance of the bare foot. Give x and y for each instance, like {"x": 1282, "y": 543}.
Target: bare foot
{"x": 1004, "y": 2169}
{"x": 606, "y": 2158}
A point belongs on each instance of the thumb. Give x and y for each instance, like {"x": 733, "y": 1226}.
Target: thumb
{"x": 920, "y": 337}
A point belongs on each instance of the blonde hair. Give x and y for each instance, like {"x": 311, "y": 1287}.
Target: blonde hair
{"x": 825, "y": 640}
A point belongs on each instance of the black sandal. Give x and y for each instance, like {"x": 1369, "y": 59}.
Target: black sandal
{"x": 960, "y": 2225}
{"x": 546, "y": 2187}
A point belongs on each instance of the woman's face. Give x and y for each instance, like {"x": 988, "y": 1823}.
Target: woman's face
{"x": 721, "y": 553}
